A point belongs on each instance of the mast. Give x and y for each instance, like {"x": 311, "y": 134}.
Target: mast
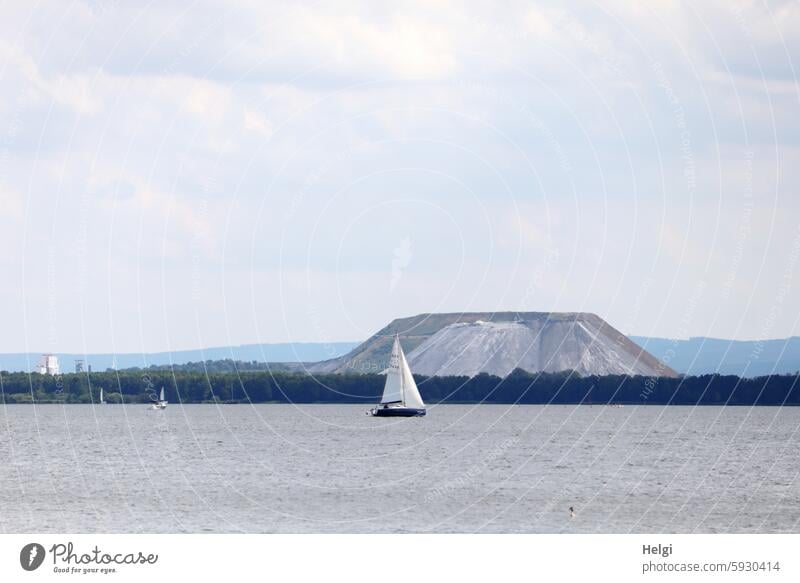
{"x": 400, "y": 358}
{"x": 393, "y": 388}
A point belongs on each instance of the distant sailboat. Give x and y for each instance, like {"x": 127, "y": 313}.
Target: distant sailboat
{"x": 401, "y": 397}
{"x": 161, "y": 403}
{"x": 102, "y": 400}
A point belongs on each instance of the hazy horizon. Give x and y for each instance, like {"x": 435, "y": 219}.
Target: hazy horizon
{"x": 67, "y": 351}
{"x": 246, "y": 174}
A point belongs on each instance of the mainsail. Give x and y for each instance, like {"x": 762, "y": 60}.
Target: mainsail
{"x": 393, "y": 388}
{"x": 400, "y": 386}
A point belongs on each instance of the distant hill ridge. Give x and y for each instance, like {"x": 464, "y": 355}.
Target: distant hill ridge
{"x": 293, "y": 352}
{"x": 745, "y": 358}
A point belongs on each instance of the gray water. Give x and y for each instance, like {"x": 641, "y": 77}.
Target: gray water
{"x": 326, "y": 468}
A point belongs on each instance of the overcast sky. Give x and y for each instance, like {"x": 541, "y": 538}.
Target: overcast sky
{"x": 177, "y": 175}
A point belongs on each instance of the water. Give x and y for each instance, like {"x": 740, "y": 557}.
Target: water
{"x": 326, "y": 468}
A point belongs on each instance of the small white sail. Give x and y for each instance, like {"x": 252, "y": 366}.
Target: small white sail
{"x": 161, "y": 403}
{"x": 393, "y": 388}
{"x": 101, "y": 396}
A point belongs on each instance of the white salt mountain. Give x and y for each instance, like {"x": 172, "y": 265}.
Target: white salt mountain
{"x": 468, "y": 344}
{"x": 497, "y": 348}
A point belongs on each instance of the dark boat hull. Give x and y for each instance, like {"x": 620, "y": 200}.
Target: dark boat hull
{"x": 397, "y": 412}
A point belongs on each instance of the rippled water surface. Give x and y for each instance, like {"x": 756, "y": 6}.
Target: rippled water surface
{"x": 331, "y": 468}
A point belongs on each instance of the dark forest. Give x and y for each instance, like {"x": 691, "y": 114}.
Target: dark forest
{"x": 181, "y": 386}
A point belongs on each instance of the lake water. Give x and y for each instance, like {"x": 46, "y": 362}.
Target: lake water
{"x": 331, "y": 468}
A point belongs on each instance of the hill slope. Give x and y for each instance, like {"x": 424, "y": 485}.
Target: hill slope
{"x": 497, "y": 343}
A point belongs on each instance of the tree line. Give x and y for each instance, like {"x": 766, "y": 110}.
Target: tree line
{"x": 181, "y": 386}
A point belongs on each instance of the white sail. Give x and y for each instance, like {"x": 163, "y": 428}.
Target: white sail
{"x": 101, "y": 396}
{"x": 161, "y": 398}
{"x": 411, "y": 396}
{"x": 393, "y": 388}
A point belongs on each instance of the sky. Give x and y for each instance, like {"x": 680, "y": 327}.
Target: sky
{"x": 176, "y": 175}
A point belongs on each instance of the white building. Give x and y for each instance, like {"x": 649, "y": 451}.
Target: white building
{"x": 48, "y": 364}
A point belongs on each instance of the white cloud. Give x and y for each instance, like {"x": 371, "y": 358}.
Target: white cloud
{"x": 256, "y": 122}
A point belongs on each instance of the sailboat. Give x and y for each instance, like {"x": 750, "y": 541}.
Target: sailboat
{"x": 401, "y": 397}
{"x": 161, "y": 403}
{"x": 102, "y": 400}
